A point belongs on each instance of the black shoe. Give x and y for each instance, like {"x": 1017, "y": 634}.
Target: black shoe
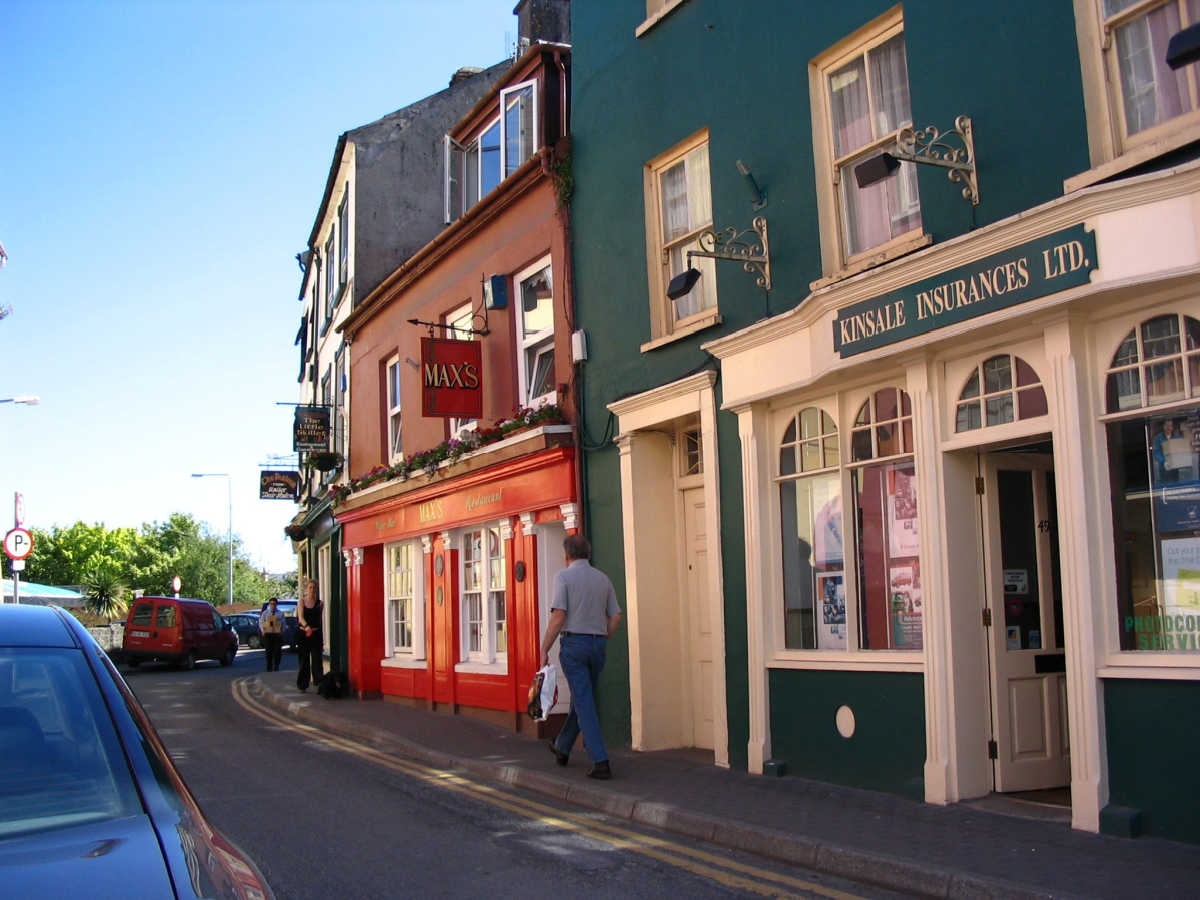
{"x": 600, "y": 770}
{"x": 559, "y": 757}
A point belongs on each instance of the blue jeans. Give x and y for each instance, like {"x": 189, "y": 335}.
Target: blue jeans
{"x": 582, "y": 659}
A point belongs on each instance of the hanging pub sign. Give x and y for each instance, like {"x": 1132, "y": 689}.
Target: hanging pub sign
{"x": 310, "y": 430}
{"x": 451, "y": 378}
{"x": 1044, "y": 266}
{"x": 278, "y": 485}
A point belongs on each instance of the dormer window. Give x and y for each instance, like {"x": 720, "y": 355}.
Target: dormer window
{"x": 475, "y": 167}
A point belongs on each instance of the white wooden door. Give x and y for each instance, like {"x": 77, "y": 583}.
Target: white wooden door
{"x": 698, "y": 612}
{"x": 1029, "y": 685}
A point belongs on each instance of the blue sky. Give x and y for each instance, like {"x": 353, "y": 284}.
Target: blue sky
{"x": 161, "y": 165}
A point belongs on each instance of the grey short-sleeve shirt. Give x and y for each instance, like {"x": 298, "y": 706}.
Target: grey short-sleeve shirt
{"x": 588, "y": 597}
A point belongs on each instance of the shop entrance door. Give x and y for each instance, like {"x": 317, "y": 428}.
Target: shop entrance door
{"x": 698, "y": 625}
{"x": 1029, "y": 746}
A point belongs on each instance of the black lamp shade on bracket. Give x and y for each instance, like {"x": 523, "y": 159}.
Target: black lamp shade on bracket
{"x": 875, "y": 169}
{"x": 681, "y": 285}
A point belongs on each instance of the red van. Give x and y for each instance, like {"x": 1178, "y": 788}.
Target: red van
{"x": 179, "y": 631}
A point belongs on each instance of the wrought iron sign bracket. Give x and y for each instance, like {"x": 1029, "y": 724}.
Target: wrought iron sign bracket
{"x": 749, "y": 246}
{"x": 928, "y": 146}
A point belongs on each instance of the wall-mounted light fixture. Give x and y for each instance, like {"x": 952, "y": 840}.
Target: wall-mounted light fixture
{"x": 749, "y": 246}
{"x": 760, "y": 196}
{"x": 928, "y": 146}
{"x": 1184, "y": 47}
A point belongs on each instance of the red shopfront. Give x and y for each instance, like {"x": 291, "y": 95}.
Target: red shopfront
{"x": 448, "y": 582}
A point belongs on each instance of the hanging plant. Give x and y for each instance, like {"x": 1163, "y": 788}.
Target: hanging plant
{"x": 295, "y": 532}
{"x": 325, "y": 460}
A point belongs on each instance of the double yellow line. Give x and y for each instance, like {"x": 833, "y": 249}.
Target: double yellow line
{"x": 725, "y": 871}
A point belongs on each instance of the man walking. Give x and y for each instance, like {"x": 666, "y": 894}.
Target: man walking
{"x": 270, "y": 623}
{"x": 584, "y": 611}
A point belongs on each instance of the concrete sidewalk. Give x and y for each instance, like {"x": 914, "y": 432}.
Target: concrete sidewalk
{"x": 960, "y": 851}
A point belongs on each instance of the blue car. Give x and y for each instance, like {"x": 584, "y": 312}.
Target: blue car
{"x": 90, "y": 802}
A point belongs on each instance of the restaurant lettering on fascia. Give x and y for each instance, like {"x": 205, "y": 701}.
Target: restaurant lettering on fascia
{"x": 972, "y": 483}
{"x": 462, "y": 440}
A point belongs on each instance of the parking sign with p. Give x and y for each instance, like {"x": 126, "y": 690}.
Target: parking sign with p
{"x": 18, "y": 543}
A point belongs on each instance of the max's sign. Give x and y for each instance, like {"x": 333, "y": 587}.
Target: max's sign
{"x": 451, "y": 378}
{"x": 1052, "y": 263}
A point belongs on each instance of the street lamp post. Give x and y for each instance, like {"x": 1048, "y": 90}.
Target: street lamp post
{"x": 229, "y": 488}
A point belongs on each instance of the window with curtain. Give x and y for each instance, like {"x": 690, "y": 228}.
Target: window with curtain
{"x": 483, "y": 595}
{"x": 1149, "y": 92}
{"x": 405, "y": 600}
{"x": 678, "y": 209}
{"x": 343, "y": 240}
{"x": 868, "y": 105}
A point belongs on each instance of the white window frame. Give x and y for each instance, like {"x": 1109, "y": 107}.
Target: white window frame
{"x": 1112, "y": 150}
{"x": 344, "y": 240}
{"x": 457, "y": 316}
{"x": 508, "y": 166}
{"x": 325, "y": 590}
{"x": 664, "y": 326}
{"x": 530, "y": 342}
{"x": 840, "y": 409}
{"x": 836, "y": 261}
{"x": 396, "y": 594}
{"x": 393, "y": 401}
{"x": 487, "y": 657}
{"x": 330, "y": 267}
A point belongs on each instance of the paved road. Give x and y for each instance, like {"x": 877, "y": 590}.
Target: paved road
{"x": 326, "y": 817}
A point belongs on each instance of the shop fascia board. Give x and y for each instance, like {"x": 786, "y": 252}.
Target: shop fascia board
{"x": 1023, "y": 227}
{"x": 468, "y": 471}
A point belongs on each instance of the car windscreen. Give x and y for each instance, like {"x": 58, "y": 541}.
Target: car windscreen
{"x": 60, "y": 759}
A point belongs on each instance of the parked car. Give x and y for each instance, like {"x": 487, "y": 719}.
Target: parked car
{"x": 90, "y": 801}
{"x": 291, "y": 627}
{"x": 246, "y": 627}
{"x": 178, "y": 630}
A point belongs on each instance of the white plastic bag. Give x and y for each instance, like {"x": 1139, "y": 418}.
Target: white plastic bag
{"x": 543, "y": 693}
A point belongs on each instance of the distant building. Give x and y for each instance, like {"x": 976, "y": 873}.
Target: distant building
{"x": 382, "y": 201}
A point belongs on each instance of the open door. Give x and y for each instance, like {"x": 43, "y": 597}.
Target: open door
{"x": 1029, "y": 743}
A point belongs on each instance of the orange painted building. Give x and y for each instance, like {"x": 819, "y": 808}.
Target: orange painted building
{"x": 450, "y": 554}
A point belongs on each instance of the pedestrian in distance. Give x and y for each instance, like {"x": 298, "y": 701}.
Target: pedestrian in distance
{"x": 270, "y": 623}
{"x": 584, "y": 612}
{"x": 308, "y": 617}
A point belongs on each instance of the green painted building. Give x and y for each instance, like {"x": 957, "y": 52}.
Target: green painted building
{"x": 903, "y": 490}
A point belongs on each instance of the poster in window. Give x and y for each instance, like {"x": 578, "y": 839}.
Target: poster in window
{"x": 1175, "y": 455}
{"x": 903, "y": 536}
{"x": 831, "y": 595}
{"x": 905, "y": 591}
{"x": 827, "y": 523}
{"x": 1181, "y": 576}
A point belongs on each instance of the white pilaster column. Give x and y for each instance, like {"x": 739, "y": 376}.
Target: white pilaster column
{"x": 1077, "y": 440}
{"x": 940, "y": 780}
{"x": 756, "y": 470}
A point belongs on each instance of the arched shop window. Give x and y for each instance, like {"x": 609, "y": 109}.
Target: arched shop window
{"x": 1001, "y": 389}
{"x": 887, "y": 614}
{"x": 1154, "y": 469}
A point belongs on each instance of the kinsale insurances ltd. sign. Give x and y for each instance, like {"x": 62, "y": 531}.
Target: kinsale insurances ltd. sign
{"x": 1044, "y": 266}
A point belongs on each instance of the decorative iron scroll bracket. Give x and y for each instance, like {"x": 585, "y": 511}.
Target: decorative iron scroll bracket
{"x": 749, "y": 246}
{"x": 928, "y": 146}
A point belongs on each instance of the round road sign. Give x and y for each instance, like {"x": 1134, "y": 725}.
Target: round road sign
{"x": 176, "y": 584}
{"x": 18, "y": 543}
